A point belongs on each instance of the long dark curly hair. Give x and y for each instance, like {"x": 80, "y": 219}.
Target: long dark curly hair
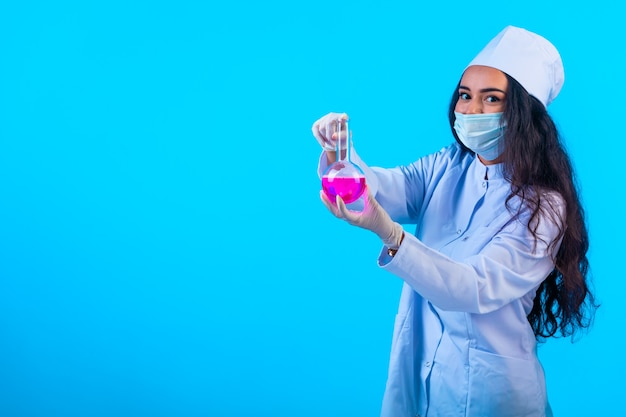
{"x": 535, "y": 161}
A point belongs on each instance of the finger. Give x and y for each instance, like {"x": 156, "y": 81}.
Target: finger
{"x": 342, "y": 135}
{"x": 339, "y": 201}
{"x": 369, "y": 199}
{"x": 332, "y": 208}
{"x": 324, "y": 197}
{"x": 338, "y": 128}
{"x": 320, "y": 132}
{"x": 316, "y": 132}
{"x": 345, "y": 213}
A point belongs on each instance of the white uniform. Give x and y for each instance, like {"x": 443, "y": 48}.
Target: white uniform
{"x": 462, "y": 345}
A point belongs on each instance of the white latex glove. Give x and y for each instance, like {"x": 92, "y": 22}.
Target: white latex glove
{"x": 323, "y": 131}
{"x": 373, "y": 218}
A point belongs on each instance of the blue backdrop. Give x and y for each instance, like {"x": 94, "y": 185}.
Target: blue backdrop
{"x": 163, "y": 251}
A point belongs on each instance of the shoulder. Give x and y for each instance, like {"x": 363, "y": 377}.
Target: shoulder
{"x": 449, "y": 156}
{"x": 547, "y": 200}
{"x": 553, "y": 204}
{"x": 550, "y": 207}
{"x": 432, "y": 167}
{"x": 453, "y": 151}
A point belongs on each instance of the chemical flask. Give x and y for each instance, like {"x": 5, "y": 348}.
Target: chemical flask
{"x": 343, "y": 177}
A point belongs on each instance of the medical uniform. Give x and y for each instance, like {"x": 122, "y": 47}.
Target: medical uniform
{"x": 462, "y": 345}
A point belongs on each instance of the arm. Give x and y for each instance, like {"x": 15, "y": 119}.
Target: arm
{"x": 389, "y": 186}
{"x": 402, "y": 191}
{"x": 507, "y": 268}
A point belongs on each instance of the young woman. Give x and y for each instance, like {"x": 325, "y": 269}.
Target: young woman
{"x": 498, "y": 260}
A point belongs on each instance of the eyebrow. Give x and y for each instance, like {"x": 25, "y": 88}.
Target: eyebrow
{"x": 484, "y": 90}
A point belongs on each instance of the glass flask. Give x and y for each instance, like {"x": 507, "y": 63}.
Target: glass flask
{"x": 343, "y": 177}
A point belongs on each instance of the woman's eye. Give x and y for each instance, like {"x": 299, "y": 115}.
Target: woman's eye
{"x": 464, "y": 96}
{"x": 492, "y": 99}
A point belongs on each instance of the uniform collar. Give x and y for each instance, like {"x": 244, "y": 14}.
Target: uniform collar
{"x": 483, "y": 172}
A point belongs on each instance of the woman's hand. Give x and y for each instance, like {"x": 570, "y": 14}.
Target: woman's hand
{"x": 373, "y": 218}
{"x": 324, "y": 130}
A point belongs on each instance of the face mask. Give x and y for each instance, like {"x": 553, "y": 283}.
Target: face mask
{"x": 481, "y": 133}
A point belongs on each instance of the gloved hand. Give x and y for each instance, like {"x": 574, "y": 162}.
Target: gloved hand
{"x": 323, "y": 129}
{"x": 373, "y": 217}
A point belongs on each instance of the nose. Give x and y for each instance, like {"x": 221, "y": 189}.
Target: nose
{"x": 475, "y": 107}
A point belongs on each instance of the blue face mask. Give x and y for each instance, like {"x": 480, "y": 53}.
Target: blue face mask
{"x": 482, "y": 133}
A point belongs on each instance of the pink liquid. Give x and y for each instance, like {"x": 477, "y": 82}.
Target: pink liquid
{"x": 348, "y": 188}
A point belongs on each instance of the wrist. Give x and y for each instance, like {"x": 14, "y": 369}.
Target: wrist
{"x": 394, "y": 237}
{"x": 391, "y": 251}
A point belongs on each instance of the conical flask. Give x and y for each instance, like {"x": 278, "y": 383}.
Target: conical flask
{"x": 343, "y": 177}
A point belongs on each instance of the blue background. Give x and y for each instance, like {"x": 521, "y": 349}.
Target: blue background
{"x": 163, "y": 251}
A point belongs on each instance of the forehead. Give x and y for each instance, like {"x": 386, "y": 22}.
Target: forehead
{"x": 479, "y": 76}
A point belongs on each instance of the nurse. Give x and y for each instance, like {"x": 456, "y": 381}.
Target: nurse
{"x": 498, "y": 259}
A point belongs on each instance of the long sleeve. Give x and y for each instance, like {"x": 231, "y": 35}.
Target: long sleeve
{"x": 509, "y": 265}
{"x": 402, "y": 191}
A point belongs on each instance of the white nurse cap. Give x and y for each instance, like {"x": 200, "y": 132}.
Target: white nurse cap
{"x": 527, "y": 57}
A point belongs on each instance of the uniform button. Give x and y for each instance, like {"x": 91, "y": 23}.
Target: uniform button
{"x": 428, "y": 364}
{"x": 484, "y": 184}
{"x": 458, "y": 232}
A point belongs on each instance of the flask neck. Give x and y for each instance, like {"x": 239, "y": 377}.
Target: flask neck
{"x": 343, "y": 145}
